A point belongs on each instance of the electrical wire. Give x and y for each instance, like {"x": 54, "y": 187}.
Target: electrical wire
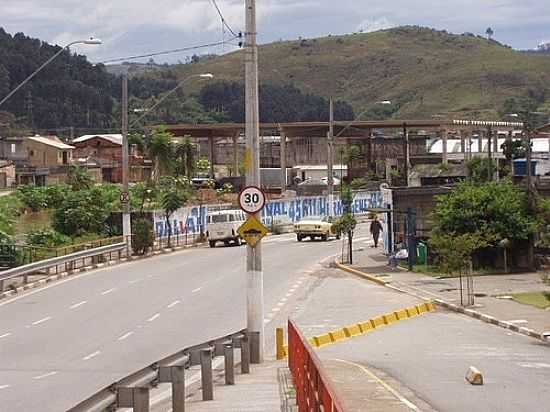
{"x": 201, "y": 46}
{"x": 223, "y": 19}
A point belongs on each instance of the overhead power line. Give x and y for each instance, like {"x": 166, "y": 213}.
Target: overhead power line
{"x": 223, "y": 19}
{"x": 160, "y": 53}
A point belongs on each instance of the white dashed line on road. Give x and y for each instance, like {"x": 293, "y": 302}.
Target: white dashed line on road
{"x": 76, "y": 305}
{"x": 46, "y": 375}
{"x": 196, "y": 290}
{"x": 38, "y": 322}
{"x": 91, "y": 355}
{"x": 4, "y": 386}
{"x": 105, "y": 292}
{"x": 126, "y": 335}
{"x": 152, "y": 318}
{"x": 174, "y": 303}
{"x": 275, "y": 310}
{"x": 5, "y": 335}
{"x": 131, "y": 282}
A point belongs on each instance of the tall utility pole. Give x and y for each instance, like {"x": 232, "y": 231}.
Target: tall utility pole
{"x": 330, "y": 159}
{"x": 125, "y": 198}
{"x": 254, "y": 272}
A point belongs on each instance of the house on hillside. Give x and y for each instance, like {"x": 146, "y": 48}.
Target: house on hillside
{"x": 105, "y": 150}
{"x": 47, "y": 161}
{"x": 7, "y": 174}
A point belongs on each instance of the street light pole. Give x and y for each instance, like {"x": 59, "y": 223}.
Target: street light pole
{"x": 330, "y": 159}
{"x": 126, "y": 219}
{"x": 91, "y": 41}
{"x": 254, "y": 272}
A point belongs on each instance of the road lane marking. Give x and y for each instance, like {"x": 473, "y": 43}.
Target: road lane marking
{"x": 174, "y": 303}
{"x": 76, "y": 305}
{"x": 275, "y": 310}
{"x": 46, "y": 375}
{"x": 126, "y": 335}
{"x": 280, "y": 303}
{"x": 152, "y": 318}
{"x": 5, "y": 335}
{"x": 105, "y": 292}
{"x": 131, "y": 282}
{"x": 400, "y": 397}
{"x": 91, "y": 355}
{"x": 5, "y": 386}
{"x": 196, "y": 290}
{"x": 38, "y": 322}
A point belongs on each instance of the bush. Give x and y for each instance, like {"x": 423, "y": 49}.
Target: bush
{"x": 47, "y": 238}
{"x": 34, "y": 198}
{"x": 143, "y": 236}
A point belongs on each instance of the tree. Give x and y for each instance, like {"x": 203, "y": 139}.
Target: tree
{"x": 455, "y": 251}
{"x": 203, "y": 166}
{"x": 481, "y": 170}
{"x": 347, "y": 222}
{"x": 143, "y": 235}
{"x": 186, "y": 158}
{"x": 79, "y": 178}
{"x": 489, "y": 32}
{"x": 161, "y": 151}
{"x": 137, "y": 140}
{"x": 171, "y": 201}
{"x": 492, "y": 212}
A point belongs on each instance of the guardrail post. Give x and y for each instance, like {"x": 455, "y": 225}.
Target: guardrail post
{"x": 2, "y": 285}
{"x": 229, "y": 364}
{"x": 245, "y": 354}
{"x": 206, "y": 375}
{"x": 135, "y": 398}
{"x": 254, "y": 347}
{"x": 176, "y": 376}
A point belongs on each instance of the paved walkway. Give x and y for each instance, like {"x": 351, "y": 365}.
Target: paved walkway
{"x": 488, "y": 289}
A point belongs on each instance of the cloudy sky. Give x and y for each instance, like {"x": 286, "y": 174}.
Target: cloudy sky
{"x": 130, "y": 27}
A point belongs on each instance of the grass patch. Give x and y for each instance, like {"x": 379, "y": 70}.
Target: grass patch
{"x": 540, "y": 300}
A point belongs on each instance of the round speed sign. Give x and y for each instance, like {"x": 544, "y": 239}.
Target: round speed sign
{"x": 252, "y": 199}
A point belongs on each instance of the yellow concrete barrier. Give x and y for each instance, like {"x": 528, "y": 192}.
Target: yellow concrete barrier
{"x": 352, "y": 330}
{"x": 280, "y": 342}
{"x": 412, "y": 311}
{"x": 337, "y": 335}
{"x": 366, "y": 326}
{"x": 322, "y": 340}
{"x": 377, "y": 322}
{"x": 430, "y": 306}
{"x": 401, "y": 314}
{"x": 389, "y": 318}
{"x": 421, "y": 308}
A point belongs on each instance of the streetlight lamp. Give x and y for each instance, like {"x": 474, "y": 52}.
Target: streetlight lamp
{"x": 90, "y": 41}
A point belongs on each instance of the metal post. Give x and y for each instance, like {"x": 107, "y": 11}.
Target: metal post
{"x": 245, "y": 355}
{"x": 330, "y": 158}
{"x": 489, "y": 154}
{"x": 126, "y": 223}
{"x": 406, "y": 154}
{"x": 236, "y": 154}
{"x": 445, "y": 153}
{"x": 229, "y": 364}
{"x": 254, "y": 284}
{"x": 282, "y": 156}
{"x": 206, "y": 375}
{"x": 211, "y": 155}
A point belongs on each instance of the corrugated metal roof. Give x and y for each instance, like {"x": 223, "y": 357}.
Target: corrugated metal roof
{"x": 113, "y": 138}
{"x": 51, "y": 141}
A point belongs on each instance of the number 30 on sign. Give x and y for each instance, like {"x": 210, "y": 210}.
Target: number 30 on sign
{"x": 252, "y": 199}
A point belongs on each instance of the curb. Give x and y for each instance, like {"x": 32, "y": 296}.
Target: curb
{"x": 451, "y": 306}
{"x": 114, "y": 262}
{"x": 364, "y": 275}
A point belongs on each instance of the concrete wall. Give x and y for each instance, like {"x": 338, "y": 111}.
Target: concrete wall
{"x": 43, "y": 155}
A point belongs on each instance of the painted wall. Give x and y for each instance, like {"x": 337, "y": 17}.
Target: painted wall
{"x": 189, "y": 219}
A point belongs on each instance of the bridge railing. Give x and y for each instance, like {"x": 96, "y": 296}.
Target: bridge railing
{"x": 133, "y": 391}
{"x": 70, "y": 262}
{"x": 314, "y": 390}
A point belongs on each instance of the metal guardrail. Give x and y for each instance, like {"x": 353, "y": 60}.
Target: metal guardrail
{"x": 69, "y": 261}
{"x": 314, "y": 391}
{"x": 133, "y": 390}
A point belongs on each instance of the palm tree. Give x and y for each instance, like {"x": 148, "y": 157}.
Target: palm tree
{"x": 161, "y": 151}
{"x": 171, "y": 201}
{"x": 185, "y": 153}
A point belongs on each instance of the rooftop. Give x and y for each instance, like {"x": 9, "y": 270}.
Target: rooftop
{"x": 52, "y": 141}
{"x": 113, "y": 138}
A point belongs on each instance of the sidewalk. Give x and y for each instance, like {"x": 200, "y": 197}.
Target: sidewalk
{"x": 488, "y": 290}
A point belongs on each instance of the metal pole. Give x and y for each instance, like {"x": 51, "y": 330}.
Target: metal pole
{"x": 406, "y": 154}
{"x": 282, "y": 157}
{"x": 254, "y": 272}
{"x": 330, "y": 159}
{"x": 126, "y": 223}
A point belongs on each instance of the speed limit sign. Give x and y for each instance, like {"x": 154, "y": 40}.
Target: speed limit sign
{"x": 252, "y": 199}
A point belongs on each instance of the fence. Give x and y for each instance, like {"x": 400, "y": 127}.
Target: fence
{"x": 314, "y": 392}
{"x": 133, "y": 390}
{"x": 58, "y": 264}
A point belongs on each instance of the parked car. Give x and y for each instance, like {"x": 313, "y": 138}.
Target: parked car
{"x": 315, "y": 227}
{"x": 223, "y": 226}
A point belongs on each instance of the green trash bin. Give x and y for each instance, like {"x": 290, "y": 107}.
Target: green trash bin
{"x": 422, "y": 253}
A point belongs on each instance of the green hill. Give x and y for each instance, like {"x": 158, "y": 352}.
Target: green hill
{"x": 423, "y": 72}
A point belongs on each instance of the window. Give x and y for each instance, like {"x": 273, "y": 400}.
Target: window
{"x": 219, "y": 218}
{"x": 13, "y": 147}
{"x": 31, "y": 152}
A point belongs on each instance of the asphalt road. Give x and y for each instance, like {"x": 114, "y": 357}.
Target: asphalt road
{"x": 61, "y": 343}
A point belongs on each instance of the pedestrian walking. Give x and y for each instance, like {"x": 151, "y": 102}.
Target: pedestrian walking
{"x": 375, "y": 229}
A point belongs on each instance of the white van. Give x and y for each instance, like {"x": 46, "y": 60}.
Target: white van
{"x": 223, "y": 226}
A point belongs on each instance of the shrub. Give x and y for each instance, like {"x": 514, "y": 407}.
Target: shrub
{"x": 47, "y": 238}
{"x": 34, "y": 198}
{"x": 143, "y": 236}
